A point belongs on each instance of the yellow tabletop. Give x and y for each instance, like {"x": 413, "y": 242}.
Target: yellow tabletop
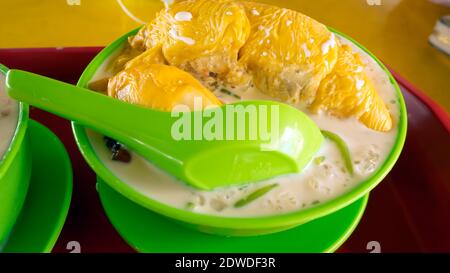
{"x": 396, "y": 30}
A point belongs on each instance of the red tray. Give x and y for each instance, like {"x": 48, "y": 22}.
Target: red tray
{"x": 408, "y": 212}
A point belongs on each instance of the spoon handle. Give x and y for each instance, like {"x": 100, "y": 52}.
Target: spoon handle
{"x": 69, "y": 101}
{"x": 144, "y": 130}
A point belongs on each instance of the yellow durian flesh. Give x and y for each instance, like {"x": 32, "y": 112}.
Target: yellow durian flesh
{"x": 289, "y": 56}
{"x": 288, "y": 53}
{"x": 159, "y": 86}
{"x": 348, "y": 91}
{"x": 151, "y": 56}
{"x": 206, "y": 39}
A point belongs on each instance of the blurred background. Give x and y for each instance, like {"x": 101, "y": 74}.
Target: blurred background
{"x": 396, "y": 31}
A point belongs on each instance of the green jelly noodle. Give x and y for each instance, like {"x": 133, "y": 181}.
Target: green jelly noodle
{"x": 343, "y": 149}
{"x": 229, "y": 93}
{"x": 254, "y": 195}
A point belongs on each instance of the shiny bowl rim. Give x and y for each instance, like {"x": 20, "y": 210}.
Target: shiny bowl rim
{"x": 18, "y": 136}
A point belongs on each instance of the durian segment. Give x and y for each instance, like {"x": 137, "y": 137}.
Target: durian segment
{"x": 202, "y": 37}
{"x": 161, "y": 87}
{"x": 287, "y": 53}
{"x": 348, "y": 91}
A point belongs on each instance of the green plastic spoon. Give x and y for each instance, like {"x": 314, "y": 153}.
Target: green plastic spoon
{"x": 232, "y": 144}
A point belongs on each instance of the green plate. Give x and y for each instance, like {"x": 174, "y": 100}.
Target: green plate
{"x": 147, "y": 231}
{"x": 48, "y": 200}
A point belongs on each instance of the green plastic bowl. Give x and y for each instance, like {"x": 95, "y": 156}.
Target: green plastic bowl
{"x": 233, "y": 226}
{"x": 15, "y": 171}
